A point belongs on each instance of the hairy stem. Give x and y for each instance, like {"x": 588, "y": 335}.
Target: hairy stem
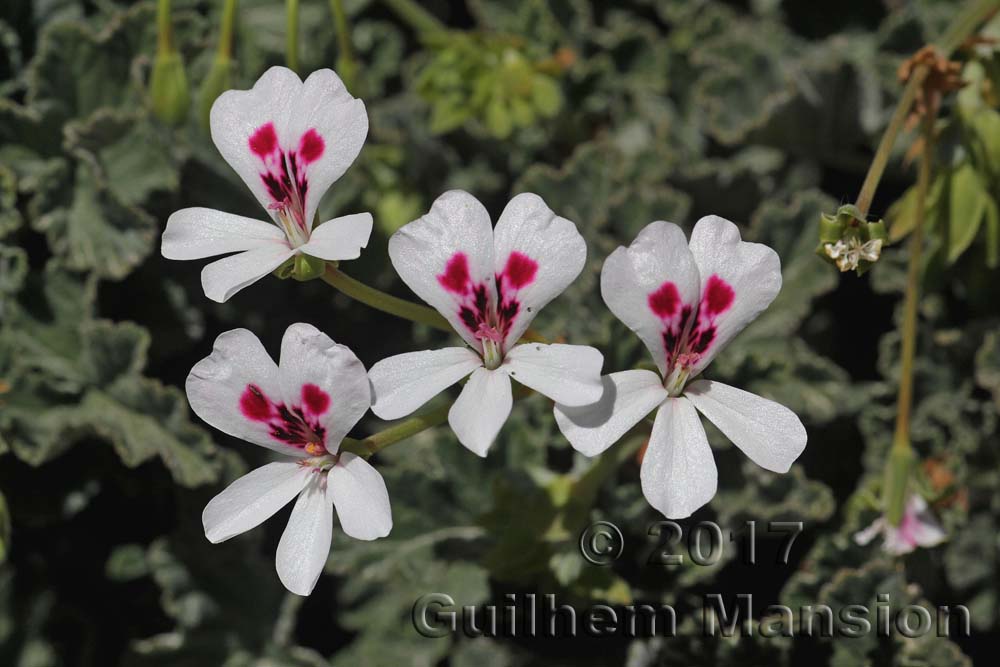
{"x": 416, "y": 16}
{"x": 292, "y": 34}
{"x": 964, "y": 24}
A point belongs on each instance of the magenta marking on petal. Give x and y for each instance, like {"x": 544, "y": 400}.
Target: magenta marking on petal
{"x": 311, "y": 146}
{"x": 289, "y": 424}
{"x": 315, "y": 399}
{"x": 665, "y": 300}
{"x": 718, "y": 296}
{"x": 520, "y": 270}
{"x": 254, "y": 404}
{"x": 456, "y": 274}
{"x": 264, "y": 140}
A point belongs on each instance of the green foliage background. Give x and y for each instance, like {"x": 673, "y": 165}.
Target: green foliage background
{"x": 618, "y": 114}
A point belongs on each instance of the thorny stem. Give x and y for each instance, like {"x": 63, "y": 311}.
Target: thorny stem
{"x": 292, "y": 34}
{"x": 900, "y": 457}
{"x": 964, "y": 24}
{"x": 416, "y": 16}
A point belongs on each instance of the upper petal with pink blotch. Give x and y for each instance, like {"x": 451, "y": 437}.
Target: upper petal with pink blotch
{"x": 289, "y": 140}
{"x": 738, "y": 281}
{"x": 446, "y": 258}
{"x": 536, "y": 256}
{"x": 653, "y": 287}
{"x": 322, "y": 383}
{"x": 236, "y": 390}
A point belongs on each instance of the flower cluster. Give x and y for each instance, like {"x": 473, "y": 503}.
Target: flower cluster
{"x": 289, "y": 141}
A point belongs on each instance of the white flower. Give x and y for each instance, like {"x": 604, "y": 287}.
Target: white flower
{"x": 847, "y": 255}
{"x": 301, "y": 409}
{"x": 489, "y": 284}
{"x": 918, "y": 528}
{"x": 288, "y": 141}
{"x": 686, "y": 302}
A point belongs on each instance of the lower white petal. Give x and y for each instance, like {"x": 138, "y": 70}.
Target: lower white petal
{"x": 627, "y": 397}
{"x": 768, "y": 432}
{"x": 252, "y": 499}
{"x": 359, "y": 494}
{"x": 226, "y": 277}
{"x": 305, "y": 544}
{"x": 678, "y": 472}
{"x": 481, "y": 409}
{"x": 568, "y": 374}
{"x": 194, "y": 233}
{"x": 340, "y": 238}
{"x": 404, "y": 382}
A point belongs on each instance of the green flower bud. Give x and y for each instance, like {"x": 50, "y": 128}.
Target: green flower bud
{"x": 168, "y": 88}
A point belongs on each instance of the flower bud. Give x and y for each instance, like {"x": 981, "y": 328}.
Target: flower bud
{"x": 168, "y": 88}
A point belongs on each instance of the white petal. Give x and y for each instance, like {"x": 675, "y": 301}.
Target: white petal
{"x": 627, "y": 397}
{"x": 651, "y": 285}
{"x": 481, "y": 409}
{"x": 193, "y": 233}
{"x": 324, "y": 380}
{"x": 446, "y": 258}
{"x": 252, "y": 499}
{"x": 537, "y": 255}
{"x": 305, "y": 544}
{"x": 324, "y": 105}
{"x": 359, "y": 494}
{"x": 866, "y": 535}
{"x": 403, "y": 383}
{"x": 747, "y": 276}
{"x": 768, "y": 432}
{"x": 568, "y": 374}
{"x": 340, "y": 238}
{"x": 678, "y": 471}
{"x": 218, "y": 385}
{"x": 225, "y": 277}
{"x": 311, "y": 133}
{"x": 923, "y": 528}
{"x": 237, "y": 114}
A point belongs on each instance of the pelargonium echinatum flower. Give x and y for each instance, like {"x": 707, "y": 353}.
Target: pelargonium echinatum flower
{"x": 917, "y": 528}
{"x": 301, "y": 408}
{"x": 289, "y": 141}
{"x": 686, "y": 302}
{"x": 489, "y": 284}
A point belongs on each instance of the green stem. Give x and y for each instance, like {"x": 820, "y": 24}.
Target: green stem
{"x": 227, "y": 30}
{"x": 964, "y": 24}
{"x": 416, "y": 16}
{"x": 292, "y": 34}
{"x": 401, "y": 431}
{"x": 376, "y": 442}
{"x": 346, "y": 64}
{"x": 164, "y": 29}
{"x": 901, "y": 455}
{"x": 387, "y": 303}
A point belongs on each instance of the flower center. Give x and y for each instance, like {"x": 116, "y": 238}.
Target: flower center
{"x": 297, "y": 426}
{"x": 285, "y": 177}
